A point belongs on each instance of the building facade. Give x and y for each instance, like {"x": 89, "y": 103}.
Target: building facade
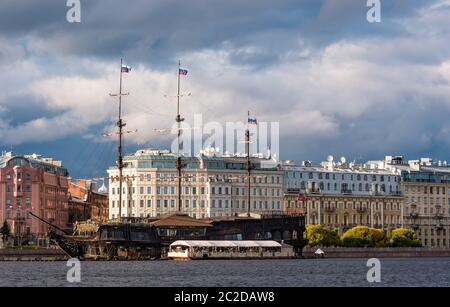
{"x": 86, "y": 202}
{"x": 427, "y": 203}
{"x": 36, "y": 185}
{"x": 212, "y": 185}
{"x": 340, "y": 195}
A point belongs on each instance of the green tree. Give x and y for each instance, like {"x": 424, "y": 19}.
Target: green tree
{"x": 5, "y": 231}
{"x": 319, "y": 235}
{"x": 404, "y": 237}
{"x": 363, "y": 236}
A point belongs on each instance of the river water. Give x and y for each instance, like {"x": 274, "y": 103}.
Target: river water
{"x": 231, "y": 273}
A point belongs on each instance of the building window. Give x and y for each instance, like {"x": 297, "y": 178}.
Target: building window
{"x": 149, "y": 190}
{"x": 141, "y": 190}
{"x": 149, "y": 203}
{"x": 166, "y": 203}
{"x": 172, "y": 203}
{"x": 158, "y": 203}
{"x": 142, "y": 203}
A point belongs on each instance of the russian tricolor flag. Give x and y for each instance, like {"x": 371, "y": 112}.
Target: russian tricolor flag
{"x": 126, "y": 69}
{"x": 252, "y": 121}
{"x": 183, "y": 72}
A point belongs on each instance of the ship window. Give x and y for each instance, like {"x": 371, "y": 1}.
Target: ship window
{"x": 140, "y": 236}
{"x": 112, "y": 234}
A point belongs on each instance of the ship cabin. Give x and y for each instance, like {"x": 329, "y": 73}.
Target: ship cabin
{"x": 261, "y": 249}
{"x": 180, "y": 226}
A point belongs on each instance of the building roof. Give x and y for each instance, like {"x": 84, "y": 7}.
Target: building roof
{"x": 204, "y": 243}
{"x": 336, "y": 170}
{"x": 179, "y": 220}
{"x": 47, "y": 164}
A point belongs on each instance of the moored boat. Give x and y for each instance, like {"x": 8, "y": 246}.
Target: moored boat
{"x": 221, "y": 249}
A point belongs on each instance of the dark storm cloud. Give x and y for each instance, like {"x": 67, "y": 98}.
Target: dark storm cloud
{"x": 343, "y": 85}
{"x": 155, "y": 31}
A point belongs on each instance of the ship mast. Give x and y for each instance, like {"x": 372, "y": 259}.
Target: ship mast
{"x": 249, "y": 166}
{"x": 120, "y": 125}
{"x": 178, "y": 119}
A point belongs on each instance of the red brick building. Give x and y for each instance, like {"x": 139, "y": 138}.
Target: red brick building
{"x": 87, "y": 203}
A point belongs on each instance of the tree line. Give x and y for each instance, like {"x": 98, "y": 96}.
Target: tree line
{"x": 360, "y": 236}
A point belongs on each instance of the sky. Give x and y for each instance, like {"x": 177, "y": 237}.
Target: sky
{"x": 336, "y": 83}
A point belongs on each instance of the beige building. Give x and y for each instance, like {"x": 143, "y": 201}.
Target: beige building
{"x": 342, "y": 212}
{"x": 212, "y": 185}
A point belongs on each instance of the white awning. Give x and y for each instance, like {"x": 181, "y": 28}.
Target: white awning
{"x": 204, "y": 243}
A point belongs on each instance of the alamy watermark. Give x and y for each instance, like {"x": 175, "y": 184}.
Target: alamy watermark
{"x": 74, "y": 12}
{"x": 374, "y": 273}
{"x": 228, "y": 139}
{"x": 74, "y": 273}
{"x": 374, "y": 12}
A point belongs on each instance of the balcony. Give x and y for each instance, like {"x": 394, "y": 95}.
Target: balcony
{"x": 314, "y": 190}
{"x": 395, "y": 193}
{"x": 439, "y": 216}
{"x": 415, "y": 226}
{"x": 346, "y": 191}
{"x": 440, "y": 226}
{"x": 362, "y": 209}
{"x": 414, "y": 215}
{"x": 329, "y": 209}
{"x": 293, "y": 190}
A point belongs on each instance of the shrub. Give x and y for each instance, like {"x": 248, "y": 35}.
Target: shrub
{"x": 5, "y": 231}
{"x": 320, "y": 235}
{"x": 363, "y": 236}
{"x": 403, "y": 237}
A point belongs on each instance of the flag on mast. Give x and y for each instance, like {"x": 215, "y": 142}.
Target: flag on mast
{"x": 252, "y": 121}
{"x": 125, "y": 69}
{"x": 183, "y": 72}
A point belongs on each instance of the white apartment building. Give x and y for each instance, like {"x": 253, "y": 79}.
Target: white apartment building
{"x": 331, "y": 178}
